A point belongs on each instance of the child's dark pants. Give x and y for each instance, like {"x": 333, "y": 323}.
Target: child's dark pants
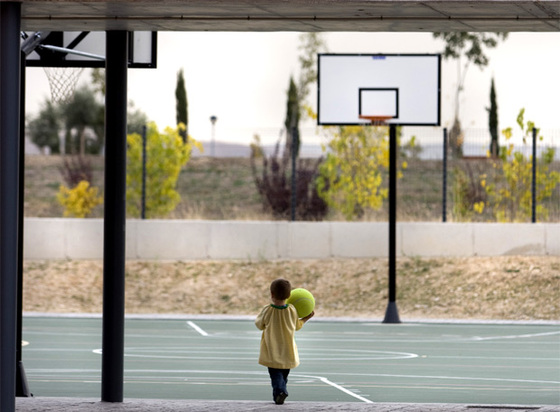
{"x": 279, "y": 380}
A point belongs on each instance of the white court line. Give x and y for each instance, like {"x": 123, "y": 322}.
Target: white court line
{"x": 529, "y": 335}
{"x": 196, "y": 357}
{"x": 336, "y": 386}
{"x": 197, "y": 328}
{"x": 186, "y": 352}
{"x": 217, "y": 372}
{"x": 493, "y": 358}
{"x": 459, "y": 378}
{"x": 320, "y": 378}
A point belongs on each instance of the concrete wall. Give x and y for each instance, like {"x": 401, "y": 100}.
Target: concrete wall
{"x": 192, "y": 239}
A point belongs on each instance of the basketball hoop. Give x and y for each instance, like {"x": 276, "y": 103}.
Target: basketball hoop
{"x": 376, "y": 120}
{"x": 62, "y": 81}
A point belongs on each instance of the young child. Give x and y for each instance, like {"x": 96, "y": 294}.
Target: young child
{"x": 279, "y": 353}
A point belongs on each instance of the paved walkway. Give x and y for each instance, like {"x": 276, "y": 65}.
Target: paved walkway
{"x": 151, "y": 405}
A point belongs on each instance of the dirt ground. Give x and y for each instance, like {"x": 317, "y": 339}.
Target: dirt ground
{"x": 509, "y": 288}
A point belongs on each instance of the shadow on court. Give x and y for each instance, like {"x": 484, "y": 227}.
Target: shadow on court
{"x": 357, "y": 364}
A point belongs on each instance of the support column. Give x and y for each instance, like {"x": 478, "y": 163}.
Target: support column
{"x": 10, "y": 16}
{"x": 112, "y": 368}
{"x": 22, "y": 388}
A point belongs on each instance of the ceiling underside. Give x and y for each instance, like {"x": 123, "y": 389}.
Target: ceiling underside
{"x": 292, "y": 15}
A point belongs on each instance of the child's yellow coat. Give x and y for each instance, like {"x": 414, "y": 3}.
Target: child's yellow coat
{"x": 278, "y": 346}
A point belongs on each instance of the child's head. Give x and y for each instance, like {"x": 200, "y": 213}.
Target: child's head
{"x": 280, "y": 289}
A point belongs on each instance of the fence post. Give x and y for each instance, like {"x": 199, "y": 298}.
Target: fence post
{"x": 144, "y": 141}
{"x": 294, "y": 173}
{"x": 444, "y": 167}
{"x": 534, "y": 180}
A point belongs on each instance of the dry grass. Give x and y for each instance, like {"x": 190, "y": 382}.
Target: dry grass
{"x": 515, "y": 288}
{"x": 224, "y": 189}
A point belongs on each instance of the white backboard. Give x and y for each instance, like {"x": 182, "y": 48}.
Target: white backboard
{"x": 405, "y": 87}
{"x": 88, "y": 49}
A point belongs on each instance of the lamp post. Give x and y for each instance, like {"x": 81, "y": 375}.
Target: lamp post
{"x": 213, "y": 120}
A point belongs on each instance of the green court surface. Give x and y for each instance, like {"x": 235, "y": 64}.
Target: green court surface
{"x": 340, "y": 361}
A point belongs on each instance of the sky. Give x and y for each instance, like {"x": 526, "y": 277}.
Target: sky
{"x": 242, "y": 79}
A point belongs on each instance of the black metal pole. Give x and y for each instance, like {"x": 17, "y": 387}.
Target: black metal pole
{"x": 144, "y": 141}
{"x": 294, "y": 173}
{"x": 534, "y": 180}
{"x": 392, "y": 313}
{"x": 10, "y": 17}
{"x": 444, "y": 195}
{"x": 112, "y": 368}
{"x": 22, "y": 388}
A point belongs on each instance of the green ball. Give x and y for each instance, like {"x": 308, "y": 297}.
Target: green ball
{"x": 303, "y": 301}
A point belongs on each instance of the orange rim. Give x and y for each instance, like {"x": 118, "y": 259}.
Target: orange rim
{"x": 376, "y": 119}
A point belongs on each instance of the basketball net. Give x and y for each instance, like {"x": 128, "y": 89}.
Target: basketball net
{"x": 62, "y": 81}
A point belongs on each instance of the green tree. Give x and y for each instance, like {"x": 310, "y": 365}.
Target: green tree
{"x": 471, "y": 47}
{"x": 292, "y": 119}
{"x": 493, "y": 121}
{"x": 182, "y": 113}
{"x": 351, "y": 177}
{"x": 273, "y": 180}
{"x": 44, "y": 129}
{"x": 136, "y": 119}
{"x": 310, "y": 45}
{"x": 509, "y": 189}
{"x": 81, "y": 112}
{"x": 98, "y": 80}
{"x": 166, "y": 154}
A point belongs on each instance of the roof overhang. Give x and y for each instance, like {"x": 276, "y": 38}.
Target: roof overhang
{"x": 292, "y": 15}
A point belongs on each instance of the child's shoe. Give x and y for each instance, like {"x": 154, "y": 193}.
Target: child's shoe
{"x": 280, "y": 398}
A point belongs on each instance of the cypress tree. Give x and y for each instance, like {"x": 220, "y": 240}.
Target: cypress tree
{"x": 292, "y": 116}
{"x": 493, "y": 121}
{"x": 182, "y": 113}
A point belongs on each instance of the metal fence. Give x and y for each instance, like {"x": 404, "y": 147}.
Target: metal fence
{"x": 475, "y": 186}
{"x": 436, "y": 187}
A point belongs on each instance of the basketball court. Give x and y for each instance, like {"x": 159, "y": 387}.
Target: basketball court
{"x": 341, "y": 361}
{"x": 358, "y": 362}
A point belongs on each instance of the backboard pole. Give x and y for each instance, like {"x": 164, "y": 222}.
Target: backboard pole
{"x": 392, "y": 313}
{"x": 74, "y": 52}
